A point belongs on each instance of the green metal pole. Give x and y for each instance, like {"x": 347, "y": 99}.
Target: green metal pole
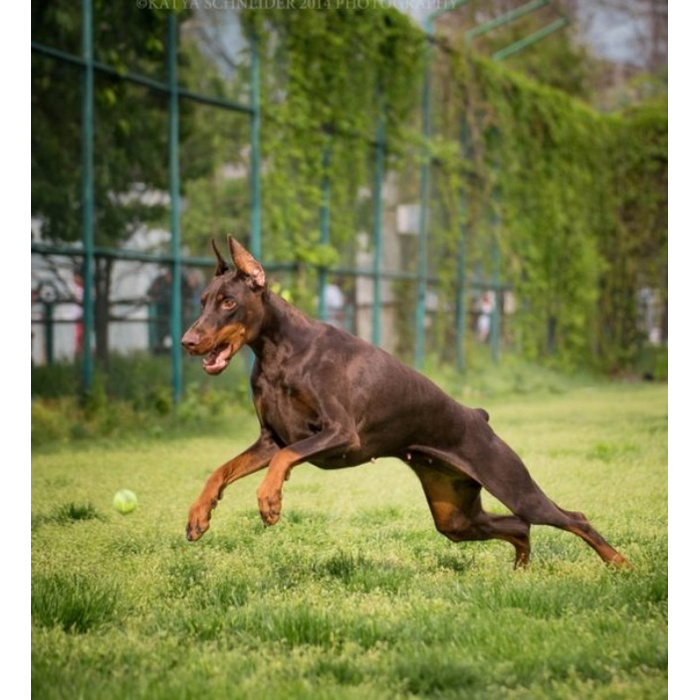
{"x": 451, "y": 6}
{"x": 49, "y": 333}
{"x": 378, "y": 231}
{"x": 462, "y": 263}
{"x": 256, "y": 190}
{"x": 325, "y": 229}
{"x": 530, "y": 39}
{"x": 255, "y": 179}
{"x": 496, "y": 282}
{"x": 174, "y": 183}
{"x": 419, "y": 349}
{"x": 462, "y": 293}
{"x": 88, "y": 185}
{"x": 505, "y": 18}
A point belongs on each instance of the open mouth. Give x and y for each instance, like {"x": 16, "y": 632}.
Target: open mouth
{"x": 217, "y": 360}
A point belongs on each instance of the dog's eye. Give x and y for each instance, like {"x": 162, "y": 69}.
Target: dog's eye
{"x": 228, "y": 304}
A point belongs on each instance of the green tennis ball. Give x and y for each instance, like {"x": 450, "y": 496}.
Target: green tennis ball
{"x": 125, "y": 501}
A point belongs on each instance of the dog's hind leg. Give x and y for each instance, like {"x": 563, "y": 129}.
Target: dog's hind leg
{"x": 503, "y": 474}
{"x": 455, "y": 503}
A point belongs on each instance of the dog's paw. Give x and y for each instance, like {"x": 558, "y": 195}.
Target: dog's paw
{"x": 270, "y": 506}
{"x": 620, "y": 562}
{"x": 197, "y": 524}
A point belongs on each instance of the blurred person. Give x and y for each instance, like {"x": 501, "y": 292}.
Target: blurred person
{"x": 483, "y": 321}
{"x": 335, "y": 305}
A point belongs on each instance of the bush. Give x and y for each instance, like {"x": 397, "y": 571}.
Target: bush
{"x": 48, "y": 423}
{"x": 134, "y": 396}
{"x": 653, "y": 363}
{"x": 202, "y": 410}
{"x": 53, "y": 381}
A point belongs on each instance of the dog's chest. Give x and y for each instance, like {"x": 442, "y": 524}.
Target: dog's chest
{"x": 289, "y": 409}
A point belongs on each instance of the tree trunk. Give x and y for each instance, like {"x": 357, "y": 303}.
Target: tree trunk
{"x": 103, "y": 284}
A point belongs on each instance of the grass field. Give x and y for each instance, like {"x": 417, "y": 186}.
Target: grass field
{"x": 354, "y": 595}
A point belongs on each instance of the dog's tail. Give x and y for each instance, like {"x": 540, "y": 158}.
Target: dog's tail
{"x": 484, "y": 413}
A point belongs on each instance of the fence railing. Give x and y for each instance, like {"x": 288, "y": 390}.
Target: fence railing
{"x": 371, "y": 273}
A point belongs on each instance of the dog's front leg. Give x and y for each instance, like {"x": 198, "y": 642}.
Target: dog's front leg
{"x": 256, "y": 457}
{"x": 270, "y": 490}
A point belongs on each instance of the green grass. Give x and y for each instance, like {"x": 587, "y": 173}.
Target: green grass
{"x": 354, "y": 595}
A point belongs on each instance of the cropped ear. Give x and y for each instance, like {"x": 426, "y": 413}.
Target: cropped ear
{"x": 246, "y": 264}
{"x": 221, "y": 265}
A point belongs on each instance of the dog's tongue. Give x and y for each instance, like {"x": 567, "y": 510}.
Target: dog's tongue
{"x": 217, "y": 360}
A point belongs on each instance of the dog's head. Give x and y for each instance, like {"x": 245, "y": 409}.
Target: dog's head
{"x": 232, "y": 309}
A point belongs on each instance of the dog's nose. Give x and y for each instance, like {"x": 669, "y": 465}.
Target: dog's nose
{"x": 190, "y": 339}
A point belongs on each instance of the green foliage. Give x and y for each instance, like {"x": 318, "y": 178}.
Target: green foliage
{"x": 215, "y": 152}
{"x": 328, "y": 80}
{"x": 130, "y": 125}
{"x": 48, "y": 424}
{"x": 557, "y": 60}
{"x": 573, "y": 201}
{"x": 55, "y": 380}
{"x": 636, "y": 253}
{"x": 553, "y": 197}
{"x": 511, "y": 376}
{"x": 134, "y": 398}
{"x": 566, "y": 205}
{"x": 67, "y": 420}
{"x": 652, "y": 363}
{"x": 130, "y": 133}
{"x": 551, "y": 183}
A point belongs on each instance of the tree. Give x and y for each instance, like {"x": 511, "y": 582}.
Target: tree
{"x": 130, "y": 131}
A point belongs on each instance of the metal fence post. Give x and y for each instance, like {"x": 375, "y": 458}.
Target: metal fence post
{"x": 498, "y": 299}
{"x": 419, "y": 351}
{"x": 462, "y": 261}
{"x": 88, "y": 184}
{"x": 256, "y": 195}
{"x": 174, "y": 185}
{"x": 378, "y": 231}
{"x": 325, "y": 229}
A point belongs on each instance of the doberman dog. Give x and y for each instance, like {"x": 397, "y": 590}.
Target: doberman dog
{"x": 324, "y": 396}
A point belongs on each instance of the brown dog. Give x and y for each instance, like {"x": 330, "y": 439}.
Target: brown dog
{"x": 326, "y": 397}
